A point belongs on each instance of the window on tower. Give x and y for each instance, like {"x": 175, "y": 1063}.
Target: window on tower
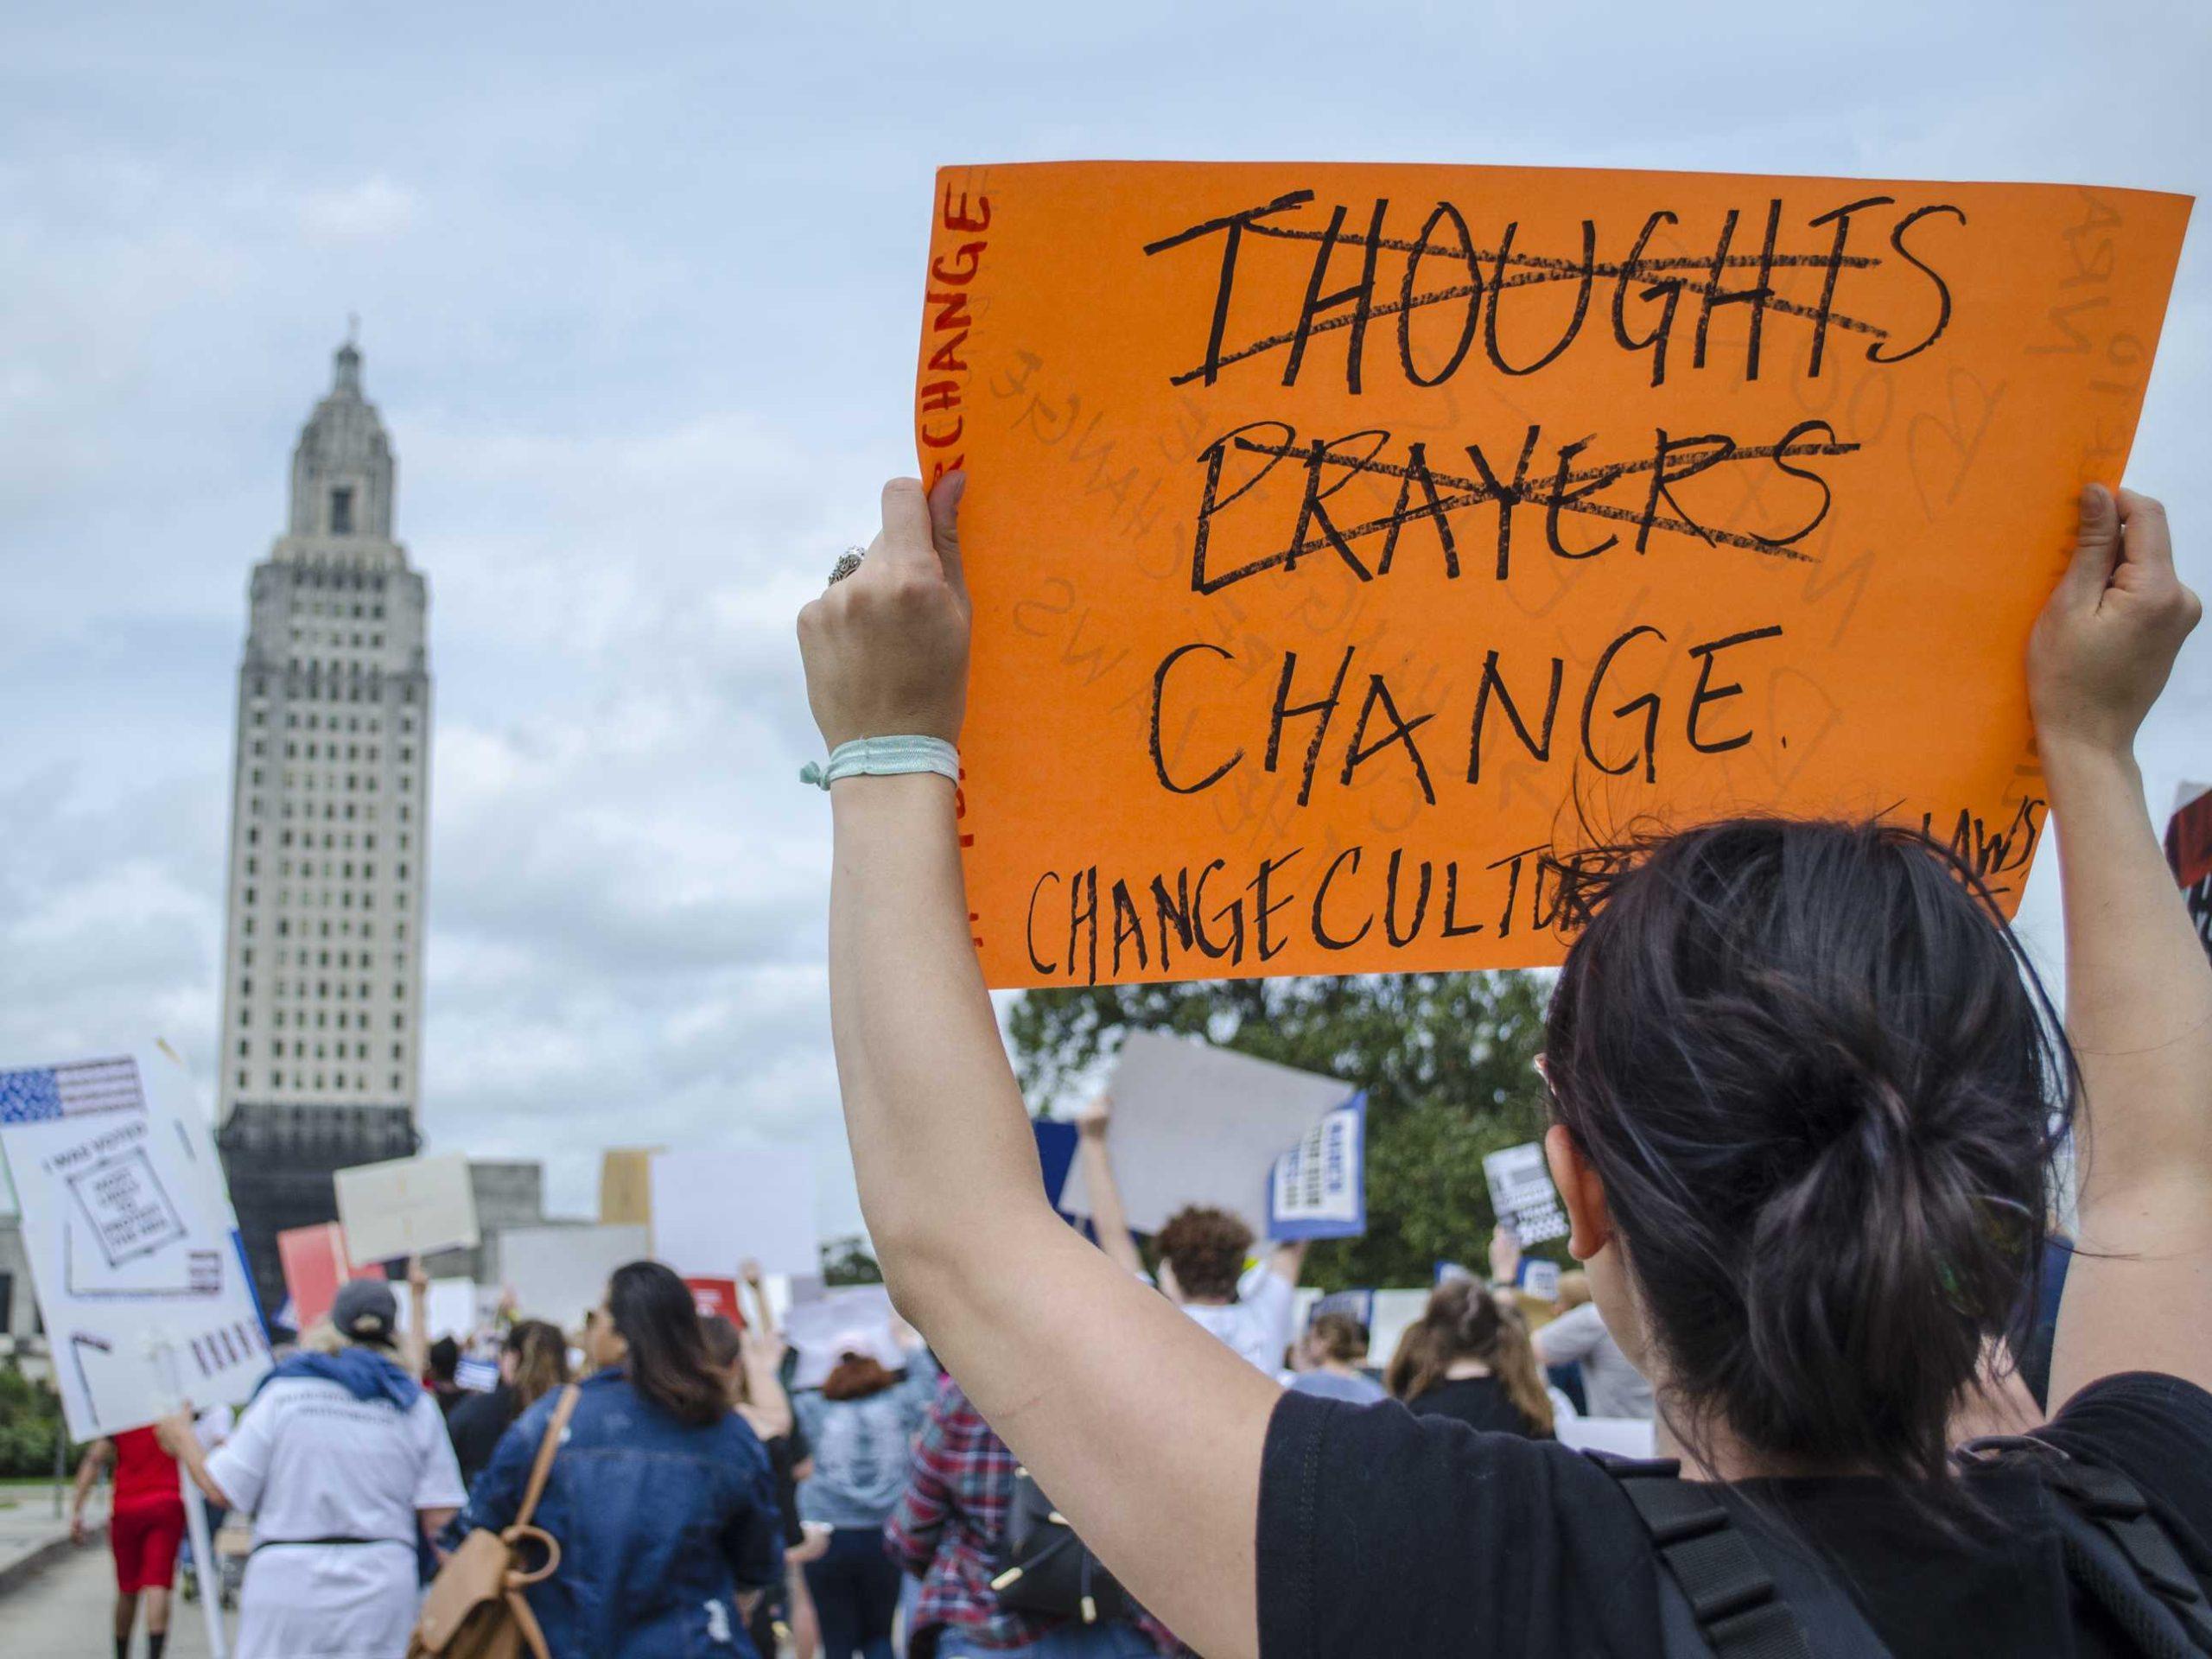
{"x": 341, "y": 511}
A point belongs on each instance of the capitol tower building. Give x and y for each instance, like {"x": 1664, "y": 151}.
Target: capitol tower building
{"x": 319, "y": 1059}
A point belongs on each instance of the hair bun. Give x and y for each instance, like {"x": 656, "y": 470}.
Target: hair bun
{"x": 1822, "y": 1090}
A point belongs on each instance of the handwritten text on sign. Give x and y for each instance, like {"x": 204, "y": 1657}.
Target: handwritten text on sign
{"x": 1342, "y": 536}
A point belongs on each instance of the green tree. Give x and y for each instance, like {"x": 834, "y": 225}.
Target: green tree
{"x": 1446, "y": 1060}
{"x": 846, "y": 1262}
{"x": 30, "y": 1422}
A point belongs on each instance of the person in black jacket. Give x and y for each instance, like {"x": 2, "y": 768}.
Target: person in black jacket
{"x": 533, "y": 1362}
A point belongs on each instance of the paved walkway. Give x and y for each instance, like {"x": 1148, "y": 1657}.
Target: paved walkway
{"x": 63, "y": 1612}
{"x": 29, "y": 1528}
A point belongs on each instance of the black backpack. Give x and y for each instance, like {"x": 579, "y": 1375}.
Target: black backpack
{"x": 1724, "y": 1596}
{"x": 1041, "y": 1567}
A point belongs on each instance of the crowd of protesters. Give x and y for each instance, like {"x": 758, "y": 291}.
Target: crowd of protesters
{"x": 700, "y": 1502}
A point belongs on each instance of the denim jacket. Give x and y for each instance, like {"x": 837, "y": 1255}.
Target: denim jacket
{"x": 862, "y": 1449}
{"x": 660, "y": 1525}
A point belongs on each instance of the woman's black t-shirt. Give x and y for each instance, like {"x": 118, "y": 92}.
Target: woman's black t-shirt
{"x": 1478, "y": 1402}
{"x": 1389, "y": 1533}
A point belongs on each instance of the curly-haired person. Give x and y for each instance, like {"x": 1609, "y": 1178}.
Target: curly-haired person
{"x": 1202, "y": 1254}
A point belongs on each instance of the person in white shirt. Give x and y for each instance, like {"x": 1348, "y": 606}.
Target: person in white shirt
{"x": 1202, "y": 1251}
{"x": 344, "y": 1461}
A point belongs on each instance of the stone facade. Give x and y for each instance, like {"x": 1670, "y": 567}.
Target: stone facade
{"x": 318, "y": 1061}
{"x": 509, "y": 1192}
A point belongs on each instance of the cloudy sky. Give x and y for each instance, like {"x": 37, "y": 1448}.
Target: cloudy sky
{"x": 639, "y": 288}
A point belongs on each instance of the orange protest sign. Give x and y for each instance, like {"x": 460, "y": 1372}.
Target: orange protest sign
{"x": 1342, "y": 538}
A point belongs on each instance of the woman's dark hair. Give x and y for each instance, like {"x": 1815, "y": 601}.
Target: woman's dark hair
{"x": 725, "y": 1347}
{"x": 654, "y": 1313}
{"x": 1463, "y": 1320}
{"x": 723, "y": 1339}
{"x": 1206, "y": 1248}
{"x": 856, "y": 1376}
{"x": 1338, "y": 1336}
{"x": 540, "y": 1361}
{"x": 1823, "y": 1087}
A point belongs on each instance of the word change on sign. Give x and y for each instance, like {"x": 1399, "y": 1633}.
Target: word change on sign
{"x": 1319, "y": 1188}
{"x": 1366, "y": 531}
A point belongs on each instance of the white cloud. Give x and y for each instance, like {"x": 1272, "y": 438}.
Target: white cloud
{"x": 371, "y": 210}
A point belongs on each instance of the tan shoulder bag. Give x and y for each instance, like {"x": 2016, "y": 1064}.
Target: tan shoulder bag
{"x": 476, "y": 1609}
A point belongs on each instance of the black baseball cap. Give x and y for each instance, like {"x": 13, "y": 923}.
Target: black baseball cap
{"x": 366, "y": 1310}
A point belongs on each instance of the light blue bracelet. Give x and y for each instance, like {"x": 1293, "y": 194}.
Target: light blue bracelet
{"x": 884, "y": 757}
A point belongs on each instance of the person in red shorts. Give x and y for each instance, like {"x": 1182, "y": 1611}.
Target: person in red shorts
{"x": 145, "y": 1521}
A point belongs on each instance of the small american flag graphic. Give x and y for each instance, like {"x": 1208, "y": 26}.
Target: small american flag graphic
{"x": 39, "y": 1093}
{"x": 477, "y": 1376}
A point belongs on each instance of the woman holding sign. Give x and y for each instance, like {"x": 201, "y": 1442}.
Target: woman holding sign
{"x": 1804, "y": 1135}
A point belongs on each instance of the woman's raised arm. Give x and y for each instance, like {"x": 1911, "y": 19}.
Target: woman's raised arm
{"x": 1146, "y": 1432}
{"x": 2139, "y": 990}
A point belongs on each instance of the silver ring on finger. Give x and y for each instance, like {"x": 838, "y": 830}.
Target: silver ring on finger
{"x": 848, "y": 561}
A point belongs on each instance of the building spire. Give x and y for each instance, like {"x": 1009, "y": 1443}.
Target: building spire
{"x": 342, "y": 467}
{"x": 346, "y": 376}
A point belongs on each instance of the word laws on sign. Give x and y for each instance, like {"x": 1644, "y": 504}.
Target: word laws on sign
{"x": 1350, "y": 544}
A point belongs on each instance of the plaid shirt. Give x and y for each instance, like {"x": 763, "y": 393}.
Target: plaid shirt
{"x": 949, "y": 1522}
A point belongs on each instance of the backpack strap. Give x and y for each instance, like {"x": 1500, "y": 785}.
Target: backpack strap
{"x": 555, "y": 1426}
{"x": 1726, "y": 1602}
{"x": 2117, "y": 1551}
